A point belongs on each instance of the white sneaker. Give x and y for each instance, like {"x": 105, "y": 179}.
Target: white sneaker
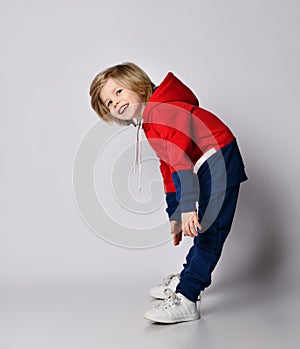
{"x": 175, "y": 308}
{"x": 169, "y": 283}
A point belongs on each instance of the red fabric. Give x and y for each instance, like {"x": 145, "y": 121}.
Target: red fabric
{"x": 179, "y": 130}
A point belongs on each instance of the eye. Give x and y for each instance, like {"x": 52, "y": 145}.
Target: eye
{"x": 109, "y": 103}
{"x": 119, "y": 91}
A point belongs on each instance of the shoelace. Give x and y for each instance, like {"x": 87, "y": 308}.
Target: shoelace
{"x": 167, "y": 280}
{"x": 171, "y": 300}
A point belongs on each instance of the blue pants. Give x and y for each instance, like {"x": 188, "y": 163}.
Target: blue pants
{"x": 207, "y": 248}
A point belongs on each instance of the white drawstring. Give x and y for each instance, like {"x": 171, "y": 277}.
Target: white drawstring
{"x": 138, "y": 152}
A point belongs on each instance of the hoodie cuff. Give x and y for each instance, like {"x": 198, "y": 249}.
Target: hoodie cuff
{"x": 187, "y": 189}
{"x": 173, "y": 208}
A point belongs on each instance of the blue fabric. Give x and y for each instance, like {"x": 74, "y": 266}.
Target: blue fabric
{"x": 173, "y": 209}
{"x": 215, "y": 216}
{"x": 186, "y": 190}
{"x": 222, "y": 170}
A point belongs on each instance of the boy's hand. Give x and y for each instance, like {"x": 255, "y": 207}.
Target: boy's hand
{"x": 189, "y": 221}
{"x": 176, "y": 232}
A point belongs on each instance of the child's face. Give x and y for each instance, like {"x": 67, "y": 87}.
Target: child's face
{"x": 122, "y": 103}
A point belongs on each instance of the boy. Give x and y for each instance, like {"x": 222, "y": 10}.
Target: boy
{"x": 199, "y": 161}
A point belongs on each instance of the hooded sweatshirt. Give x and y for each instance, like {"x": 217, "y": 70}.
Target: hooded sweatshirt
{"x": 181, "y": 133}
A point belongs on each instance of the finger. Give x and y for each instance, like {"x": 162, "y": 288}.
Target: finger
{"x": 197, "y": 228}
{"x": 174, "y": 239}
{"x": 192, "y": 229}
{"x": 180, "y": 237}
{"x": 187, "y": 231}
{"x": 175, "y": 242}
{"x": 184, "y": 232}
{"x": 177, "y": 238}
{"x": 197, "y": 223}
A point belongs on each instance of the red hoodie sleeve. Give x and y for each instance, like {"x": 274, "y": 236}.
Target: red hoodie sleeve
{"x": 172, "y": 126}
{"x": 167, "y": 177}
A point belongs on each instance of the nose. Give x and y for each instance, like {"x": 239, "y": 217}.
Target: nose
{"x": 116, "y": 102}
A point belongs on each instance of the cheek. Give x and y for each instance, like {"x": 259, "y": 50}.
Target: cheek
{"x": 137, "y": 99}
{"x": 134, "y": 98}
{"x": 113, "y": 112}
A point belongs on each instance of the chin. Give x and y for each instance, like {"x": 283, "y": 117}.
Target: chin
{"x": 128, "y": 119}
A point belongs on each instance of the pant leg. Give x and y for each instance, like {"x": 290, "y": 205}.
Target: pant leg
{"x": 216, "y": 218}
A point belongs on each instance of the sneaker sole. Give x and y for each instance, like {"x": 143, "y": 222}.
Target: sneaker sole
{"x": 190, "y": 317}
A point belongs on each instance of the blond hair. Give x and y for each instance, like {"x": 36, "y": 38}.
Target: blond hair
{"x": 128, "y": 75}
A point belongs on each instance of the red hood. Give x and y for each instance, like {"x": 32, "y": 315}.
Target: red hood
{"x": 171, "y": 90}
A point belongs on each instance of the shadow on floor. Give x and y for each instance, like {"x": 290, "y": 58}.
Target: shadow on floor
{"x": 260, "y": 236}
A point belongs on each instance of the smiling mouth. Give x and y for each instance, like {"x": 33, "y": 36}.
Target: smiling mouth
{"x": 123, "y": 108}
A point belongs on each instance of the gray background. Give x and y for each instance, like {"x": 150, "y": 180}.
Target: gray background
{"x": 64, "y": 287}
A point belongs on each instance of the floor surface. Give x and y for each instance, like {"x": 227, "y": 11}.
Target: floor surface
{"x": 109, "y": 314}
